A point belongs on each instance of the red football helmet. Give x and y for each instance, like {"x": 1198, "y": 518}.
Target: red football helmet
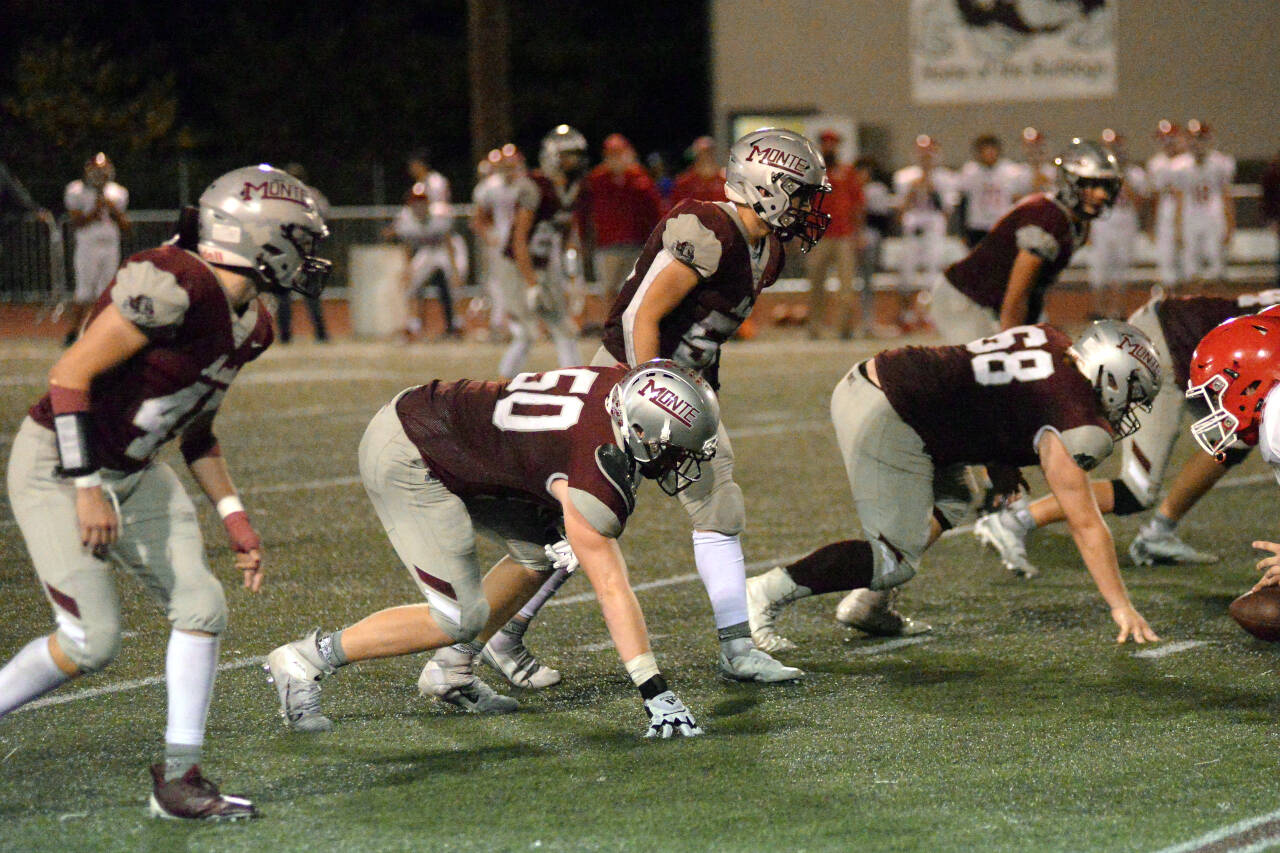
{"x": 1233, "y": 369}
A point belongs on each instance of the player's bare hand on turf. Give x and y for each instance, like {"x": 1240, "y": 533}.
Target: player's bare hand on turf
{"x": 668, "y": 716}
{"x": 250, "y": 562}
{"x": 99, "y": 524}
{"x": 1133, "y": 626}
{"x": 1270, "y": 566}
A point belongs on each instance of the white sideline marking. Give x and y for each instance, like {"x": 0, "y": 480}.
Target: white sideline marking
{"x": 121, "y": 686}
{"x": 1226, "y": 832}
{"x": 881, "y": 648}
{"x": 1170, "y": 649}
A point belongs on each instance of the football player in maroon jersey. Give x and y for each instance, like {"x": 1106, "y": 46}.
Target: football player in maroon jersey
{"x": 514, "y": 460}
{"x": 694, "y": 283}
{"x": 1001, "y": 283}
{"x": 1025, "y": 396}
{"x": 1175, "y": 325}
{"x": 161, "y": 347}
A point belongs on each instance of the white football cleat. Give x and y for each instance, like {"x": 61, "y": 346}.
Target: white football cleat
{"x": 740, "y": 660}
{"x": 1000, "y": 531}
{"x": 1169, "y": 549}
{"x": 872, "y": 611}
{"x": 517, "y": 664}
{"x": 449, "y": 680}
{"x": 767, "y": 594}
{"x": 296, "y": 670}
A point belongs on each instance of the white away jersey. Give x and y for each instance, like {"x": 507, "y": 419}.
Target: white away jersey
{"x": 82, "y": 197}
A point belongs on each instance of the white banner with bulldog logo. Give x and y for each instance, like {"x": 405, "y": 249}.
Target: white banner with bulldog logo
{"x": 968, "y": 51}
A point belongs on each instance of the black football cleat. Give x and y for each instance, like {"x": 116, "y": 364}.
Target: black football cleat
{"x": 194, "y": 797}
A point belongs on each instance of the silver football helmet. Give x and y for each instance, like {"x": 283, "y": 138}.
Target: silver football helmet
{"x": 1121, "y": 363}
{"x": 665, "y": 418}
{"x": 781, "y": 176}
{"x": 265, "y": 221}
{"x": 563, "y": 152}
{"x": 1087, "y": 164}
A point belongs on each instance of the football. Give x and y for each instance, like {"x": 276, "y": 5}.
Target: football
{"x": 1259, "y": 613}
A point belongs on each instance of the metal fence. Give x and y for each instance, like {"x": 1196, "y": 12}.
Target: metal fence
{"x": 35, "y": 256}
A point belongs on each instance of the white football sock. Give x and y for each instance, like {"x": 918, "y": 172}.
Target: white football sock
{"x": 189, "y": 669}
{"x": 724, "y": 574}
{"x": 28, "y": 674}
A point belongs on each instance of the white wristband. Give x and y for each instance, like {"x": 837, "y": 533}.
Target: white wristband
{"x": 228, "y": 505}
{"x": 88, "y": 481}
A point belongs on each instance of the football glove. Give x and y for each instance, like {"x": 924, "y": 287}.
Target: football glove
{"x": 669, "y": 716}
{"x": 561, "y": 556}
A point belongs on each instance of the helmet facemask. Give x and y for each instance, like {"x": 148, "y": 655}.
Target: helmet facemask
{"x": 1216, "y": 431}
{"x": 1121, "y": 406}
{"x": 311, "y": 273}
{"x": 803, "y": 217}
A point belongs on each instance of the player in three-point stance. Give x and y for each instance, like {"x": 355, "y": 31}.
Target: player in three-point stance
{"x": 161, "y": 346}
{"x": 520, "y": 461}
{"x": 909, "y": 420}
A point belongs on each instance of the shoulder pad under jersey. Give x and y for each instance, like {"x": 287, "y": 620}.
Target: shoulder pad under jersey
{"x": 616, "y": 467}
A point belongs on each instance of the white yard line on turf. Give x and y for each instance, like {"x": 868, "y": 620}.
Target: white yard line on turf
{"x": 122, "y": 686}
{"x": 1226, "y": 832}
{"x": 1170, "y": 649}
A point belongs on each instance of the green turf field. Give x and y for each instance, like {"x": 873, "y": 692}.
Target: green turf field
{"x": 1018, "y": 725}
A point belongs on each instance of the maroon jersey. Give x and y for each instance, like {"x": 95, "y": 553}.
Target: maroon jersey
{"x": 988, "y": 401}
{"x": 1038, "y": 224}
{"x": 707, "y": 237}
{"x": 513, "y": 439}
{"x": 197, "y": 345}
{"x": 1184, "y": 320}
{"x": 554, "y": 212}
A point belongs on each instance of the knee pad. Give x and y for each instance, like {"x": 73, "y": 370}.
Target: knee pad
{"x": 722, "y": 511}
{"x": 1126, "y": 502}
{"x": 470, "y": 621}
{"x": 93, "y": 649}
{"x": 199, "y": 606}
{"x": 890, "y": 567}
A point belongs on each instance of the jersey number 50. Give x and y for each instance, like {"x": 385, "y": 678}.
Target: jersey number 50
{"x": 529, "y": 390}
{"x": 997, "y": 362}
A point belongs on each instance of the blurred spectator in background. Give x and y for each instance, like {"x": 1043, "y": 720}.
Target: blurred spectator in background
{"x": 624, "y": 208}
{"x": 662, "y": 178}
{"x": 424, "y": 226}
{"x": 494, "y": 202}
{"x": 548, "y": 222}
{"x": 1207, "y": 210}
{"x": 1160, "y": 181}
{"x": 1113, "y": 235}
{"x": 878, "y": 223}
{"x": 839, "y": 245}
{"x": 988, "y": 186}
{"x": 924, "y": 193}
{"x": 418, "y": 166}
{"x": 96, "y": 205}
{"x": 284, "y": 299}
{"x": 1271, "y": 203}
{"x": 704, "y": 179}
{"x": 1037, "y": 170}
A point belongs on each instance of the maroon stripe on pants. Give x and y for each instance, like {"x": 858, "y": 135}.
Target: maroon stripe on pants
{"x": 436, "y": 583}
{"x": 63, "y": 600}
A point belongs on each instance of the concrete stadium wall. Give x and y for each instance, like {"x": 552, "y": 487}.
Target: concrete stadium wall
{"x": 1217, "y": 60}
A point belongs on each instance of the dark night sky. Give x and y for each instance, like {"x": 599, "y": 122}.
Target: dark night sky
{"x": 344, "y": 85}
